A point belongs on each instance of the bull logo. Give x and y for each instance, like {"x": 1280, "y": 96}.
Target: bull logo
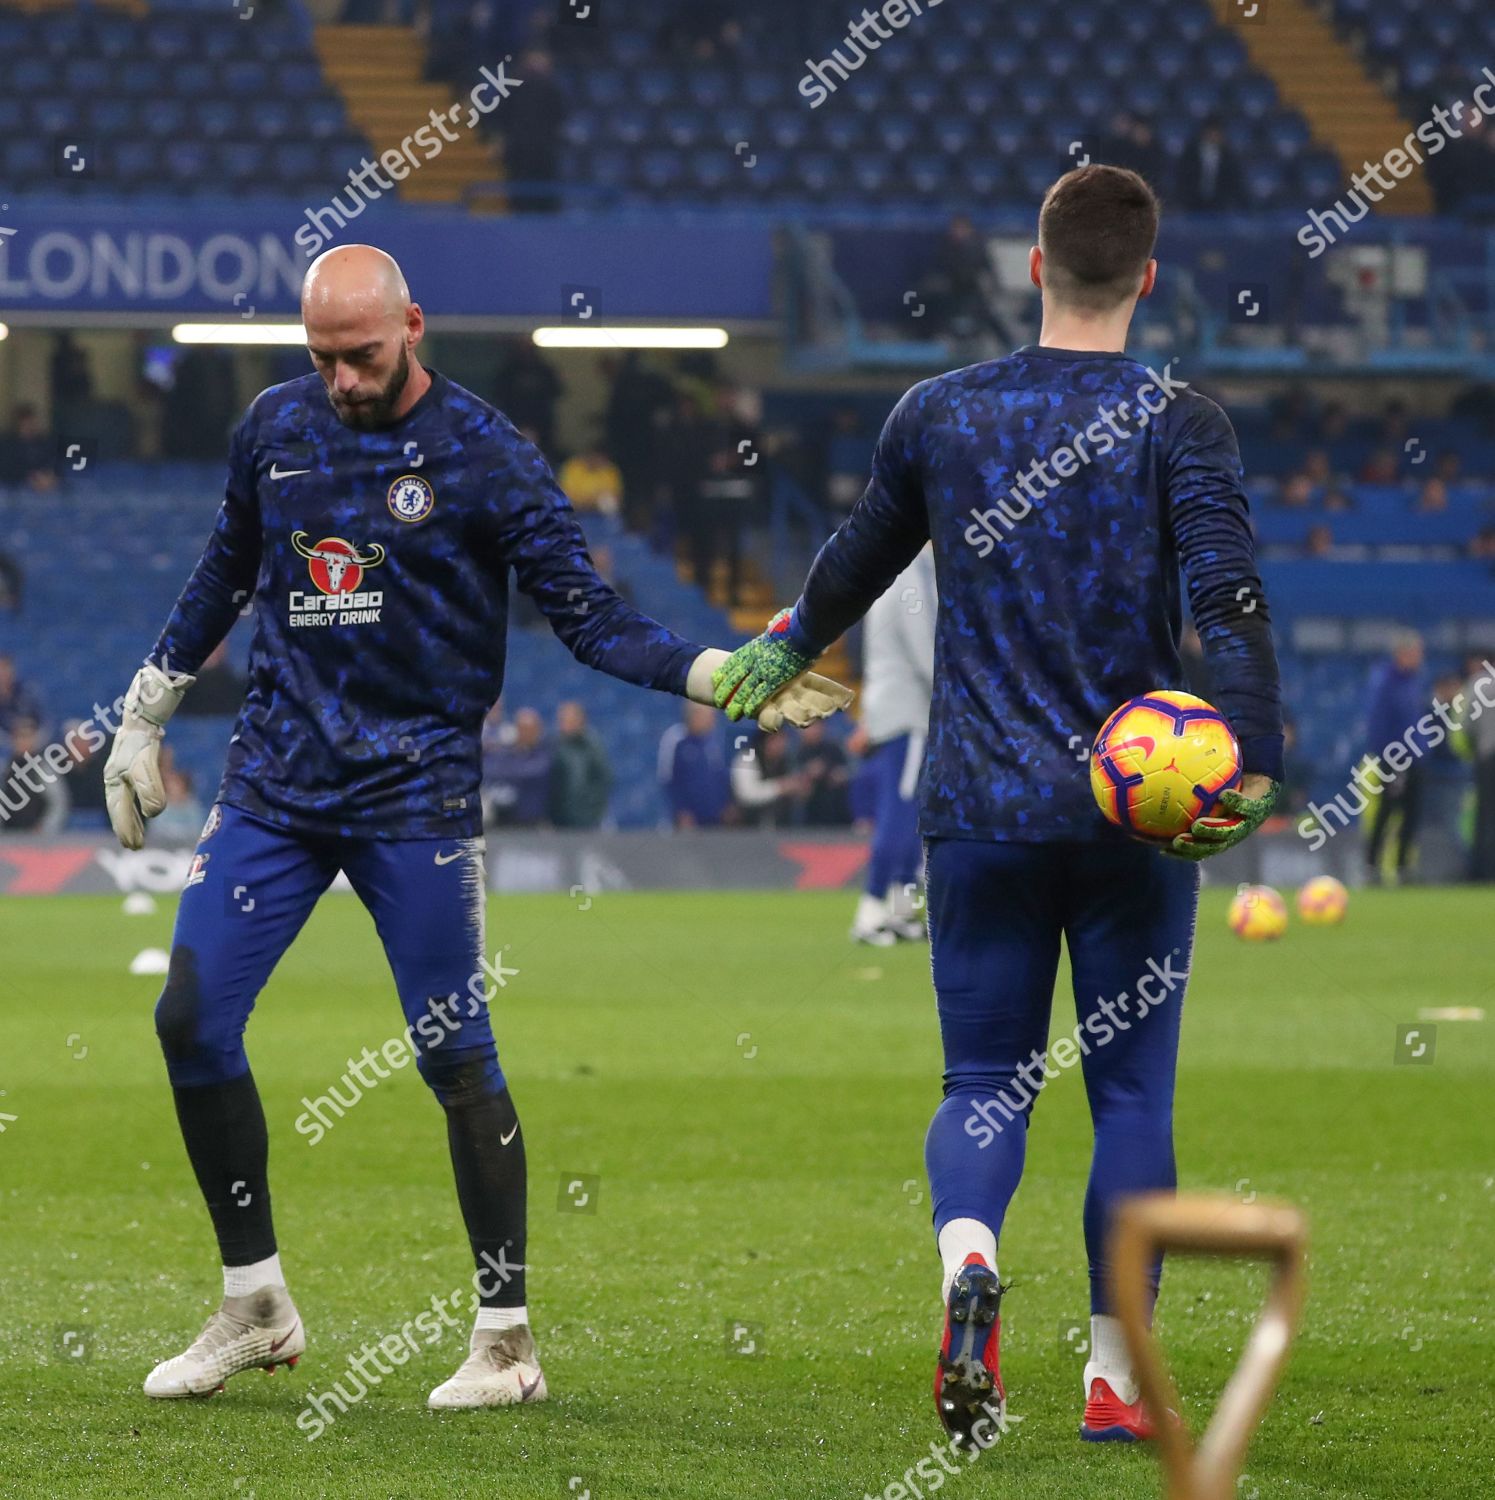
{"x": 336, "y": 566}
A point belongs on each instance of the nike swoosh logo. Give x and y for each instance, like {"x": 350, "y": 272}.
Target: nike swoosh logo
{"x": 279, "y": 473}
{"x": 526, "y": 1391}
{"x": 446, "y": 859}
{"x": 504, "y": 1140}
{"x": 280, "y": 1344}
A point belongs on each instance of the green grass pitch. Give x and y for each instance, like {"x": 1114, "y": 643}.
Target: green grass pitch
{"x": 752, "y": 1094}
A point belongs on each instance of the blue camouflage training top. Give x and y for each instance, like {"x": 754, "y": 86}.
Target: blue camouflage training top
{"x": 377, "y": 564}
{"x": 1063, "y": 492}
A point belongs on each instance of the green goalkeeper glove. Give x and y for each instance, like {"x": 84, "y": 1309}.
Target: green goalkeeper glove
{"x": 753, "y": 673}
{"x": 1243, "y": 815}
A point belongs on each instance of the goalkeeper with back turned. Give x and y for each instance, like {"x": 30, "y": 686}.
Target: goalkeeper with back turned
{"x": 1066, "y": 489}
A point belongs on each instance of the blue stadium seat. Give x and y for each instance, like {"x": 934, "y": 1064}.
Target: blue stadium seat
{"x": 1061, "y": 56}
{"x": 56, "y": 116}
{"x": 816, "y": 172}
{"x": 953, "y": 135}
{"x": 186, "y": 161}
{"x": 323, "y": 118}
{"x": 26, "y": 160}
{"x": 165, "y": 118}
{"x": 33, "y": 75}
{"x": 240, "y": 161}
{"x": 661, "y": 169}
{"x": 142, "y": 77}
{"x": 654, "y": 86}
{"x": 843, "y": 132}
{"x": 110, "y": 117}
{"x": 295, "y": 161}
{"x": 61, "y": 34}
{"x": 298, "y": 79}
{"x": 272, "y": 119}
{"x": 787, "y": 128}
{"x": 168, "y": 38}
{"x": 134, "y": 161}
{"x": 113, "y": 37}
{"x": 897, "y": 132}
{"x": 710, "y": 170}
{"x": 708, "y": 87}
{"x": 683, "y": 125}
{"x": 248, "y": 79}
{"x": 603, "y": 87}
{"x": 195, "y": 79}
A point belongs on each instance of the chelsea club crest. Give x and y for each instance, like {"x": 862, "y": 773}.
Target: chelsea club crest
{"x": 411, "y": 498}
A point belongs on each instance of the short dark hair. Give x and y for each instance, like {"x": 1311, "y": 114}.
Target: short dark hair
{"x": 1096, "y": 229}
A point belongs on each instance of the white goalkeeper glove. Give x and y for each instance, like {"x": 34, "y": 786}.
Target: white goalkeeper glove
{"x": 809, "y": 697}
{"x": 132, "y": 774}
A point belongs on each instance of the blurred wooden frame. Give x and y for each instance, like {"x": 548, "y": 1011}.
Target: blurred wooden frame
{"x": 1208, "y": 1225}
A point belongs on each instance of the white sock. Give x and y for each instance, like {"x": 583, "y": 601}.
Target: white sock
{"x": 1109, "y": 1359}
{"x": 240, "y": 1281}
{"x": 500, "y": 1317}
{"x": 960, "y": 1238}
{"x": 872, "y": 911}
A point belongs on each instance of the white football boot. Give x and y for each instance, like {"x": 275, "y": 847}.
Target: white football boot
{"x": 870, "y": 923}
{"x": 502, "y": 1369}
{"x": 261, "y": 1330}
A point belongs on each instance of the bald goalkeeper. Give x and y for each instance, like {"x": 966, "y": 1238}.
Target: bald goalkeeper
{"x": 372, "y": 513}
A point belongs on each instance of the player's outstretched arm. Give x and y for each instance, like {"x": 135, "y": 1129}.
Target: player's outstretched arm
{"x": 1234, "y": 818}
{"x": 540, "y": 537}
{"x": 220, "y": 585}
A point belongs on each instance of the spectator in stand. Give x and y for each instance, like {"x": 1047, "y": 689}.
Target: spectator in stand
{"x": 592, "y": 481}
{"x": 1479, "y": 733}
{"x": 86, "y": 779}
{"x": 1398, "y": 698}
{"x": 71, "y": 379}
{"x": 826, "y": 769}
{"x": 848, "y": 450}
{"x": 530, "y": 123}
{"x": 1319, "y": 542}
{"x": 1133, "y": 143}
{"x": 219, "y": 689}
{"x": 693, "y": 770}
{"x": 28, "y": 454}
{"x": 767, "y": 789}
{"x": 961, "y": 288}
{"x": 1432, "y": 498}
{"x": 528, "y": 389}
{"x": 1380, "y": 468}
{"x": 1482, "y": 548}
{"x": 1210, "y": 179}
{"x": 1449, "y": 467}
{"x": 701, "y": 31}
{"x": 580, "y": 777}
{"x": 33, "y": 797}
{"x": 639, "y": 408}
{"x": 1297, "y": 491}
{"x": 18, "y": 699}
{"x": 12, "y": 582}
{"x": 517, "y": 775}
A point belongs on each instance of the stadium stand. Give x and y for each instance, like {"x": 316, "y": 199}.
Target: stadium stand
{"x": 182, "y": 101}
